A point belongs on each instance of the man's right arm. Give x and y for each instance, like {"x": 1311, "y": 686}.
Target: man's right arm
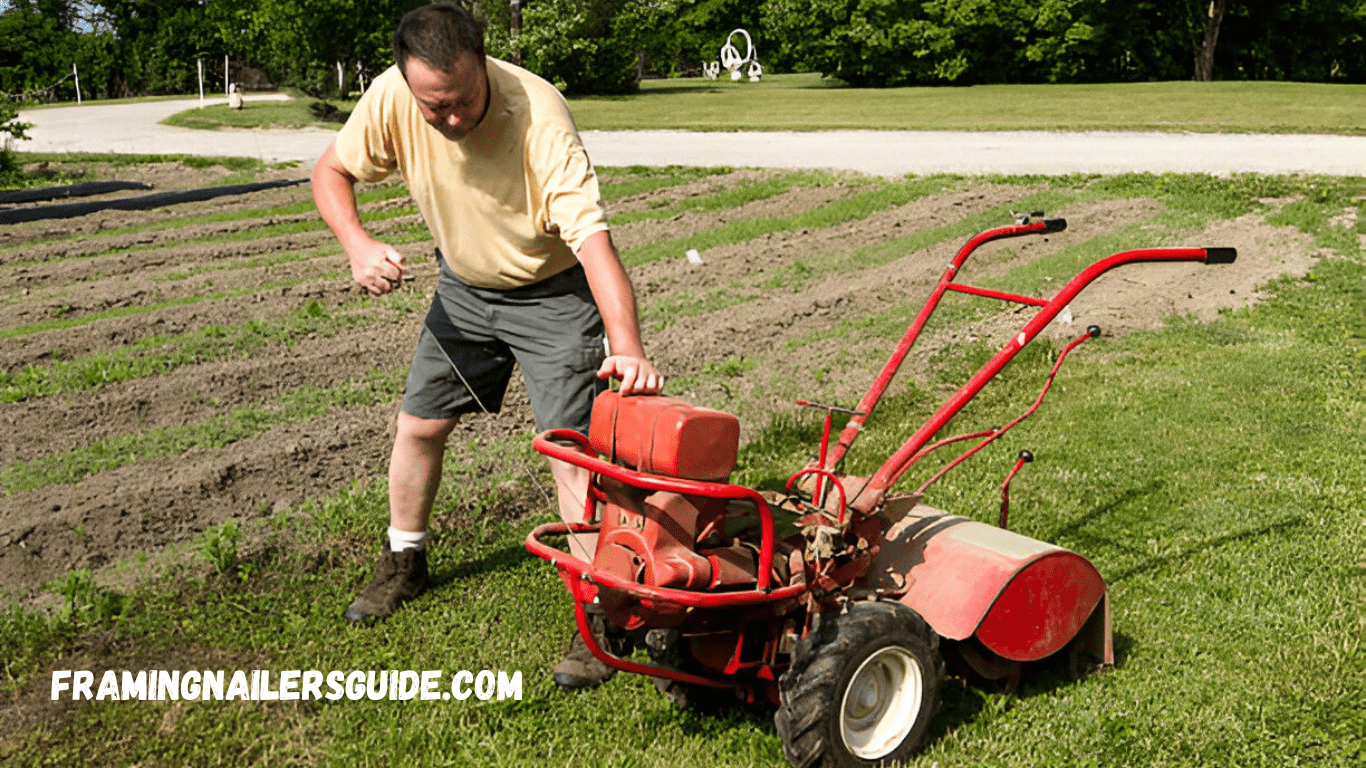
{"x": 375, "y": 266}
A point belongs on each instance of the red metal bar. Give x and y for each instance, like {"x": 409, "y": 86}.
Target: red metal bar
{"x": 892, "y": 470}
{"x": 834, "y": 480}
{"x": 927, "y": 450}
{"x": 884, "y": 378}
{"x": 616, "y": 662}
{"x": 1091, "y": 333}
{"x": 1024, "y": 458}
{"x": 586, "y": 457}
{"x": 818, "y": 496}
{"x": 990, "y": 294}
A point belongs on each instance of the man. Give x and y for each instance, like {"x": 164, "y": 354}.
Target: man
{"x": 529, "y": 274}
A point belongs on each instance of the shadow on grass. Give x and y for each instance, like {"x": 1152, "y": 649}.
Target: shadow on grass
{"x": 327, "y": 112}
{"x": 694, "y": 722}
{"x": 501, "y": 559}
{"x": 1182, "y": 556}
{"x": 1082, "y": 527}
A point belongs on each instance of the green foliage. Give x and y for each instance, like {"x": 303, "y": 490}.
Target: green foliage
{"x": 896, "y": 42}
{"x": 10, "y": 128}
{"x": 306, "y": 42}
{"x": 219, "y": 546}
{"x": 36, "y": 55}
{"x": 125, "y": 47}
{"x": 581, "y": 47}
{"x": 85, "y": 603}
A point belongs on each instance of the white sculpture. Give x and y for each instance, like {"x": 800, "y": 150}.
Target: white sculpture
{"x": 734, "y": 62}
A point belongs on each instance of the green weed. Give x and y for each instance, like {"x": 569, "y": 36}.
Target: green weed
{"x": 219, "y": 546}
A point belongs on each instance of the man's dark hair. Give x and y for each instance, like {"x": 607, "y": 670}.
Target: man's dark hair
{"x": 437, "y": 35}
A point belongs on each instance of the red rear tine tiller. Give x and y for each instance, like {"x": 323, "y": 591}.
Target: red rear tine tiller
{"x": 835, "y": 601}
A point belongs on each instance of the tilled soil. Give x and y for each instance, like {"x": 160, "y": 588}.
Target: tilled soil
{"x": 113, "y": 291}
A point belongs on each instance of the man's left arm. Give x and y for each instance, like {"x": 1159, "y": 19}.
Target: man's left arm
{"x": 616, "y": 301}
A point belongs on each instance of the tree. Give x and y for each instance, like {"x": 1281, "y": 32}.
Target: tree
{"x": 700, "y": 29}
{"x": 10, "y": 128}
{"x": 1204, "y": 54}
{"x": 578, "y": 46}
{"x": 38, "y": 48}
{"x": 307, "y": 42}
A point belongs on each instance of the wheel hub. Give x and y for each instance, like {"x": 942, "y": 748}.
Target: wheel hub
{"x": 881, "y": 703}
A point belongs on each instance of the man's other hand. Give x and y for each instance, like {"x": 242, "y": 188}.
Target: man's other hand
{"x": 378, "y": 268}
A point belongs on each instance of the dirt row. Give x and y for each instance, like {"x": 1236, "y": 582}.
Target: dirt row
{"x": 143, "y": 506}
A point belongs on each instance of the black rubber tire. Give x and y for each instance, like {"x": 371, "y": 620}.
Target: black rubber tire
{"x": 825, "y": 663}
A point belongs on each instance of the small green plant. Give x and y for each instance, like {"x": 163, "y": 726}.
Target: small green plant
{"x": 85, "y": 602}
{"x": 732, "y": 368}
{"x": 219, "y": 546}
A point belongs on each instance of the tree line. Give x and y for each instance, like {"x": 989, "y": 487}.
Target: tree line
{"x": 121, "y": 48}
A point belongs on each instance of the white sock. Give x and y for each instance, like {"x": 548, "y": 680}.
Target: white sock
{"x": 402, "y": 540}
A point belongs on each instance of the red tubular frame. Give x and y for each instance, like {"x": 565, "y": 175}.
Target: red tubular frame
{"x": 884, "y": 378}
{"x": 583, "y": 455}
{"x": 896, "y": 466}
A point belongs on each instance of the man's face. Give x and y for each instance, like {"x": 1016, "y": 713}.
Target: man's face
{"x": 452, "y": 101}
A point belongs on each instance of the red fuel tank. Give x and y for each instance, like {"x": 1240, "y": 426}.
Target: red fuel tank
{"x": 665, "y": 436}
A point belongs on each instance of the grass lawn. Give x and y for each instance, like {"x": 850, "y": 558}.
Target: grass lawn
{"x": 299, "y": 112}
{"x": 806, "y": 102}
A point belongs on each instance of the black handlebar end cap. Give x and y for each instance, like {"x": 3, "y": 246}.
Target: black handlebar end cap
{"x": 1220, "y": 255}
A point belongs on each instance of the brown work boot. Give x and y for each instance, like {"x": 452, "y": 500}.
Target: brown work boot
{"x": 399, "y": 577}
{"x": 579, "y": 668}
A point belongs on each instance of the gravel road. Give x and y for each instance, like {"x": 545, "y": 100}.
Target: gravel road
{"x": 134, "y": 129}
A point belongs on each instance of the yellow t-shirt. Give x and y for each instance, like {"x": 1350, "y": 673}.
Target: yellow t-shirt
{"x": 511, "y": 202}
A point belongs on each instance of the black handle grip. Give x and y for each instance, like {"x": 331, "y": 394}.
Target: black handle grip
{"x": 1220, "y": 255}
{"x": 1054, "y": 225}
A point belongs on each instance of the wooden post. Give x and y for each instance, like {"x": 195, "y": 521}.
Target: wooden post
{"x": 201, "y": 82}
{"x": 76, "y": 75}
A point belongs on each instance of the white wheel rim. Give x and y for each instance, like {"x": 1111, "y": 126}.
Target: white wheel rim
{"x": 881, "y": 704}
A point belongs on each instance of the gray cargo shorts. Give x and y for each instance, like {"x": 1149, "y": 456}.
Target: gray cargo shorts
{"x": 472, "y": 336}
